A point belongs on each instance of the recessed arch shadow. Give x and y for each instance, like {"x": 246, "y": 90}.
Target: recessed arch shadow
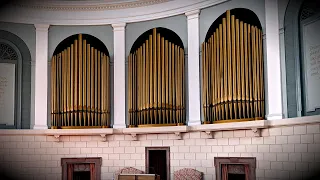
{"x": 243, "y": 14}
{"x": 166, "y": 33}
{"x": 92, "y": 40}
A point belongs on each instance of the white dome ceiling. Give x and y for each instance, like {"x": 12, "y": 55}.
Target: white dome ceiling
{"x": 97, "y": 12}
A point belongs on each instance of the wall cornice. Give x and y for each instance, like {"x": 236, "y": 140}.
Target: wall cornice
{"x": 146, "y": 10}
{"x": 86, "y": 6}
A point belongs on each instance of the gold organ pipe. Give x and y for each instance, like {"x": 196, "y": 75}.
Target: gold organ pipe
{"x": 166, "y": 44}
{"x": 169, "y": 84}
{"x": 130, "y": 88}
{"x": 258, "y": 72}
{"x": 69, "y": 85}
{"x": 163, "y": 81}
{"x": 218, "y": 75}
{"x": 233, "y": 64}
{"x": 52, "y": 91}
{"x": 209, "y": 77}
{"x": 151, "y": 80}
{"x": 154, "y": 65}
{"x": 229, "y": 68}
{"x": 80, "y": 79}
{"x": 158, "y": 79}
{"x": 64, "y": 87}
{"x": 72, "y": 85}
{"x": 238, "y": 69}
{"x": 92, "y": 89}
{"x": 225, "y": 70}
{"x": 243, "y": 79}
{"x": 204, "y": 94}
{"x": 75, "y": 95}
{"x": 215, "y": 72}
{"x": 246, "y": 70}
{"x": 221, "y": 73}
{"x": 254, "y": 69}
{"x": 88, "y": 50}
{"x": 144, "y": 100}
{"x": 250, "y": 108}
{"x": 98, "y": 88}
{"x": 147, "y": 83}
{"x": 84, "y": 99}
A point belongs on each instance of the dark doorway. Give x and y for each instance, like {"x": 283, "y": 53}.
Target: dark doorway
{"x": 236, "y": 176}
{"x": 81, "y": 175}
{"x": 157, "y": 162}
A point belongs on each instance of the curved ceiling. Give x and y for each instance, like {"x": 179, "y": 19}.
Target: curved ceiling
{"x": 97, "y": 12}
{"x": 86, "y": 4}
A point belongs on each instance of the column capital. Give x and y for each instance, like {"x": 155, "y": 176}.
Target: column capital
{"x": 192, "y": 14}
{"x": 118, "y": 26}
{"x": 42, "y": 27}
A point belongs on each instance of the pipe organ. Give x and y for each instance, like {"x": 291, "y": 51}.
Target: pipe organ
{"x": 156, "y": 82}
{"x": 80, "y": 91}
{"x": 232, "y": 72}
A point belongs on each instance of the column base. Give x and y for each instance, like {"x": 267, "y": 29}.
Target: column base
{"x": 40, "y": 127}
{"x": 274, "y": 116}
{"x": 119, "y": 126}
{"x": 194, "y": 123}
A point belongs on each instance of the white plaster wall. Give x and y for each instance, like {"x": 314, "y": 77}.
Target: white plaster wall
{"x": 282, "y": 152}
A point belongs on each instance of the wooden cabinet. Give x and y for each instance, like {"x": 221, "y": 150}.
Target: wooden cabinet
{"x": 138, "y": 177}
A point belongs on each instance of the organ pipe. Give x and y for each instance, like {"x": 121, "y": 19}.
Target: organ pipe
{"x": 156, "y": 83}
{"x": 232, "y": 72}
{"x": 80, "y": 92}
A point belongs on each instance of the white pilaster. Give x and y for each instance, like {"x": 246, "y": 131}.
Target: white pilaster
{"x": 41, "y": 77}
{"x": 119, "y": 76}
{"x": 193, "y": 68}
{"x": 273, "y": 61}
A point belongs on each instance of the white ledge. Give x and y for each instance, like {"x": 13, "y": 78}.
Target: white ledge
{"x": 230, "y": 126}
{"x": 56, "y": 132}
{"x": 156, "y": 130}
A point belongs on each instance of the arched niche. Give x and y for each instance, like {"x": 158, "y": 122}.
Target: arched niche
{"x": 22, "y": 91}
{"x": 156, "y": 80}
{"x": 233, "y": 68}
{"x": 298, "y": 15}
{"x": 80, "y": 83}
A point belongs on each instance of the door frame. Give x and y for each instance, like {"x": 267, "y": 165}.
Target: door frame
{"x": 167, "y": 149}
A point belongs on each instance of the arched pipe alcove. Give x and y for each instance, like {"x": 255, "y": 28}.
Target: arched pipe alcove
{"x": 80, "y": 83}
{"x": 233, "y": 68}
{"x": 156, "y": 80}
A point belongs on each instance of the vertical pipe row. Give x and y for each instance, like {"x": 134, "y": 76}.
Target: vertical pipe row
{"x": 232, "y": 72}
{"x": 155, "y": 73}
{"x": 80, "y": 86}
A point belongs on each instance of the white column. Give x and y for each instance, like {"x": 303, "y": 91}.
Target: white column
{"x": 193, "y": 68}
{"x": 41, "y": 77}
{"x": 273, "y": 61}
{"x": 119, "y": 76}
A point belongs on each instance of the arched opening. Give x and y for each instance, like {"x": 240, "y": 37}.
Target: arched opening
{"x": 80, "y": 83}
{"x": 18, "y": 96}
{"x": 232, "y": 68}
{"x": 156, "y": 80}
{"x": 309, "y": 20}
{"x": 301, "y": 48}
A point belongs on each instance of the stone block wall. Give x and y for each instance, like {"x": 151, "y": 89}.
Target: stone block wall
{"x": 291, "y": 152}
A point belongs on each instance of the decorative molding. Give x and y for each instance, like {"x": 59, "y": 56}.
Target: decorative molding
{"x": 256, "y": 132}
{"x": 119, "y": 26}
{"x": 42, "y": 27}
{"x": 165, "y": 9}
{"x": 192, "y": 14}
{"x": 87, "y": 6}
